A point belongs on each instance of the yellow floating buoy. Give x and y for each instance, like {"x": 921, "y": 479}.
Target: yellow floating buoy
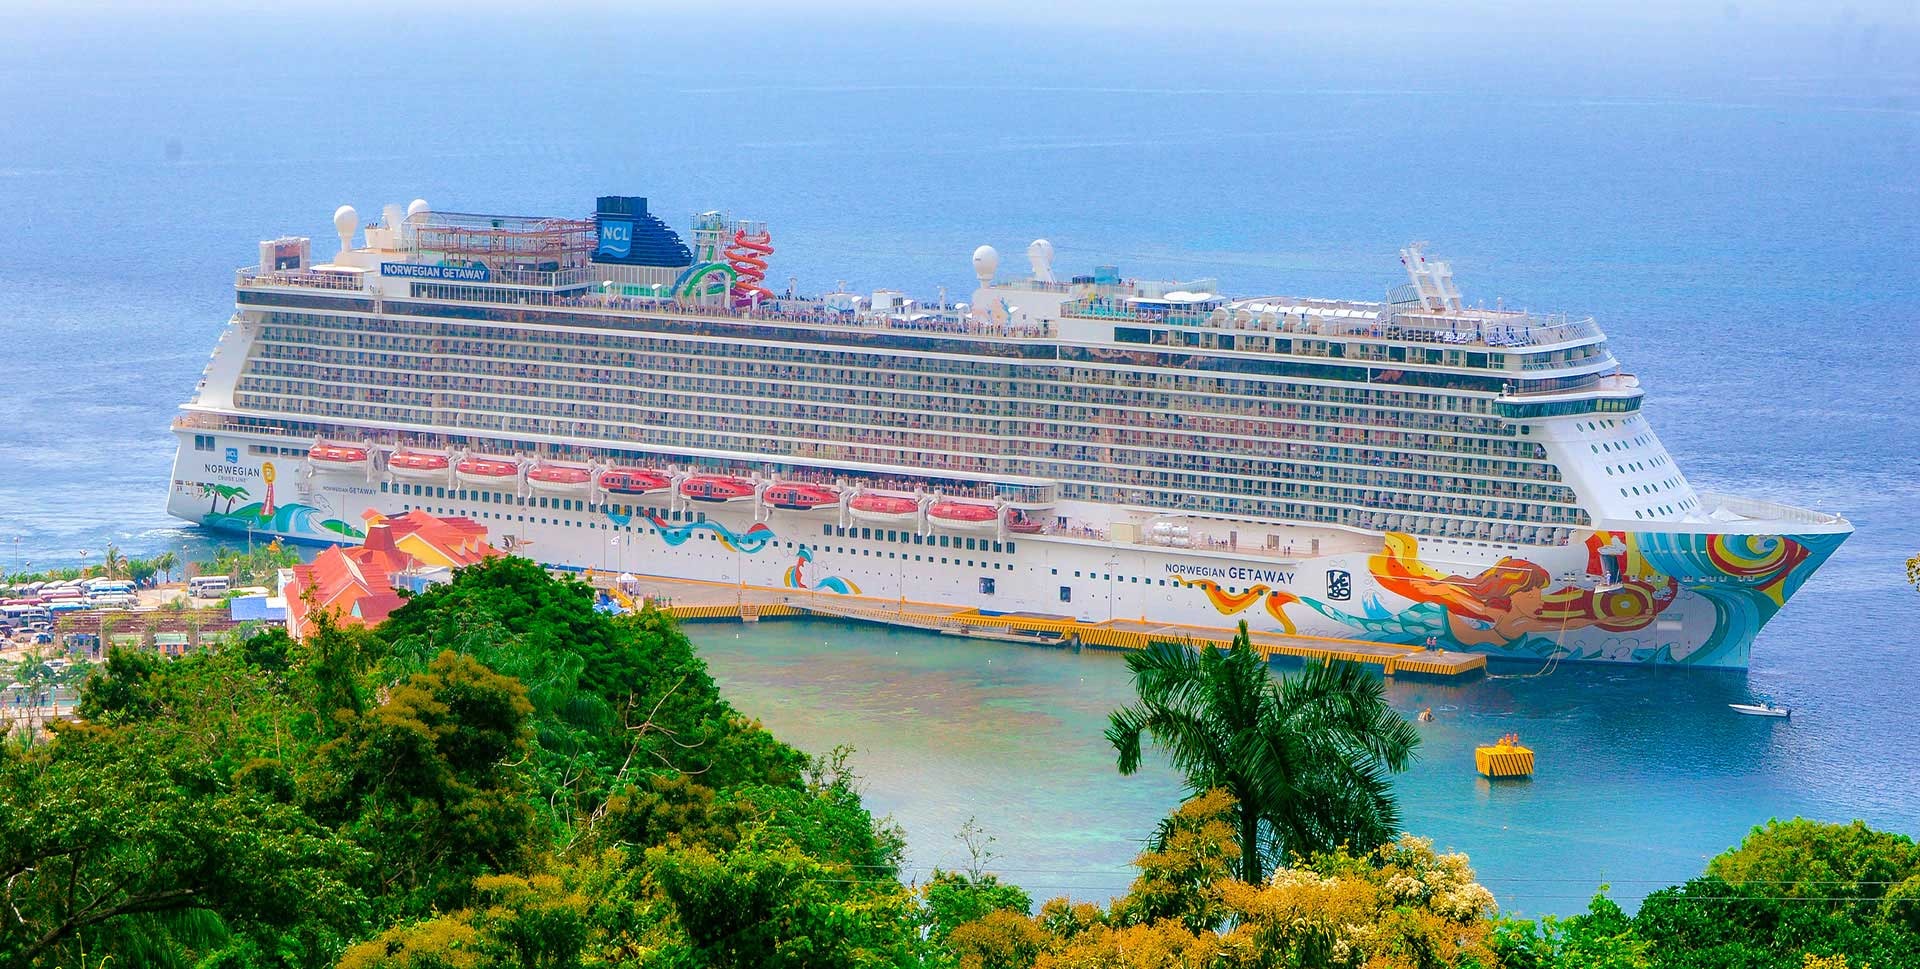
{"x": 1505, "y": 758}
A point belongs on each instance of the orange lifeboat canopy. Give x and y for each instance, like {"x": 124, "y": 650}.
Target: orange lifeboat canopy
{"x": 884, "y": 508}
{"x": 716, "y": 487}
{"x": 801, "y": 497}
{"x": 559, "y": 474}
{"x": 634, "y": 481}
{"x": 487, "y": 468}
{"x": 961, "y": 511}
{"x": 418, "y": 461}
{"x": 336, "y": 454}
{"x": 884, "y": 504}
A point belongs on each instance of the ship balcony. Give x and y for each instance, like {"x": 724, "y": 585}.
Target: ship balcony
{"x": 1278, "y": 542}
{"x": 1490, "y": 329}
{"x": 1611, "y": 394}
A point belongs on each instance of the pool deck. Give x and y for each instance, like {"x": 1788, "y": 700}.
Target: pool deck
{"x": 696, "y": 601}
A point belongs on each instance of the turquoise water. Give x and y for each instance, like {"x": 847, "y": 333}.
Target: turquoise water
{"x": 1011, "y": 735}
{"x": 1733, "y": 195}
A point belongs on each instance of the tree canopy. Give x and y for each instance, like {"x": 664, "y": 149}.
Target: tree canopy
{"x": 1307, "y": 758}
{"x": 501, "y": 776}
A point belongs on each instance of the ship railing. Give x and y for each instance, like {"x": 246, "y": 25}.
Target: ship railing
{"x": 544, "y": 278}
{"x": 1762, "y": 510}
{"x": 304, "y": 278}
{"x": 1600, "y": 383}
{"x": 822, "y": 317}
{"x": 1497, "y": 330}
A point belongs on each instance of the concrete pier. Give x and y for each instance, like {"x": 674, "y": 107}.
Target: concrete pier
{"x": 693, "y": 600}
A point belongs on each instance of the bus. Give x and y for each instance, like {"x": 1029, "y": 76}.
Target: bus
{"x": 109, "y": 587}
{"x": 207, "y": 586}
{"x": 23, "y": 614}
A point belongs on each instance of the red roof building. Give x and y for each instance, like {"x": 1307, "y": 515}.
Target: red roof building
{"x": 357, "y": 584}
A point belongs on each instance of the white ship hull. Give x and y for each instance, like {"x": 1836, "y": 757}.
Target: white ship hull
{"x": 1693, "y": 598}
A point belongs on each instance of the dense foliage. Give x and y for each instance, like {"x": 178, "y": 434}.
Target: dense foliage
{"x": 1307, "y": 759}
{"x": 498, "y": 775}
{"x": 501, "y": 776}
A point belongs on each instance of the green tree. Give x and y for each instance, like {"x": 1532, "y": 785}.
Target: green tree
{"x": 1601, "y": 938}
{"x": 1195, "y": 851}
{"x": 1850, "y": 867}
{"x": 425, "y": 781}
{"x": 1306, "y": 759}
{"x": 766, "y": 903}
{"x": 952, "y": 899}
{"x": 127, "y": 843}
{"x": 114, "y": 562}
{"x": 141, "y": 570}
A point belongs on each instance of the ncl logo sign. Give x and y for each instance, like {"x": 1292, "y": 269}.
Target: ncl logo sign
{"x": 616, "y": 239}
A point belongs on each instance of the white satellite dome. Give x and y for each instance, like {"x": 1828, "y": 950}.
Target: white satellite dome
{"x": 985, "y": 262}
{"x": 344, "y": 219}
{"x": 417, "y": 211}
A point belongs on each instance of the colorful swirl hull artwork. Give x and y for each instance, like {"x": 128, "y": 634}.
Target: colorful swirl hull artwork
{"x": 1653, "y": 603}
{"x": 1624, "y": 596}
{"x": 752, "y": 540}
{"x": 796, "y": 577}
{"x": 293, "y": 520}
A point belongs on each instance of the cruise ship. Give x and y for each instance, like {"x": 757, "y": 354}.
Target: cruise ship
{"x": 605, "y": 393}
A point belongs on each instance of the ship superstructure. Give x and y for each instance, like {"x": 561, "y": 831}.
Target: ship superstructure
{"x": 601, "y": 394}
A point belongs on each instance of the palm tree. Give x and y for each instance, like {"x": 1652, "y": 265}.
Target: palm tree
{"x": 114, "y": 561}
{"x": 165, "y": 562}
{"x": 1307, "y": 758}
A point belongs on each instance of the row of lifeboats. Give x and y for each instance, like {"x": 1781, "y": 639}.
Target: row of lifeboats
{"x": 556, "y": 478}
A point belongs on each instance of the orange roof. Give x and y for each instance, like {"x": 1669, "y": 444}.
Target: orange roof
{"x": 356, "y": 584}
{"x": 418, "y": 538}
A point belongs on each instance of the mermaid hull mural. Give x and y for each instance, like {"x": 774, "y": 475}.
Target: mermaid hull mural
{"x": 1661, "y": 597}
{"x": 1625, "y": 596}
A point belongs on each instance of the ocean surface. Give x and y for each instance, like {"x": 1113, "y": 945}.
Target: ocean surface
{"x": 1736, "y": 199}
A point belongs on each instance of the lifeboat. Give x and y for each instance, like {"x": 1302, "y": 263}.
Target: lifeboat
{"x": 634, "y": 481}
{"x": 418, "y": 465}
{"x": 883, "y": 508}
{"x": 964, "y": 516}
{"x": 794, "y": 496}
{"x": 560, "y": 479}
{"x": 716, "y": 487}
{"x": 487, "y": 472}
{"x": 337, "y": 457}
{"x": 1020, "y": 524}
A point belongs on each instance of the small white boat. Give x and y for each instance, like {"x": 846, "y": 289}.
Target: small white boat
{"x": 1762, "y": 709}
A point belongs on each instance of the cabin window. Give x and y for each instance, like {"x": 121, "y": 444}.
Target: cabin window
{"x": 986, "y": 586}
{"x": 1066, "y": 593}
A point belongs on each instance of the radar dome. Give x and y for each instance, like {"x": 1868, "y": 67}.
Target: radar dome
{"x": 985, "y": 262}
{"x": 417, "y": 211}
{"x": 344, "y": 219}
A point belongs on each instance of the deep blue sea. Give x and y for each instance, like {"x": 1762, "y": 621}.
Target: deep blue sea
{"x": 1734, "y": 192}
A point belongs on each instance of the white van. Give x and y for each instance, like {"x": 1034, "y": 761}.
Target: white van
{"x": 208, "y": 586}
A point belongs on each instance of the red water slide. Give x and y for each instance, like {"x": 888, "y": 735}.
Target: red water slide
{"x": 748, "y": 257}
